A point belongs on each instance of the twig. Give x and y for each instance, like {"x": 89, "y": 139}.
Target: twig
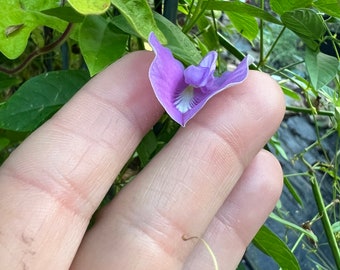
{"x": 38, "y": 52}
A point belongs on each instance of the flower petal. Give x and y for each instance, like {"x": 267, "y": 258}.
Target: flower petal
{"x": 184, "y": 101}
{"x": 197, "y": 103}
{"x": 183, "y": 93}
{"x": 200, "y": 75}
{"x": 166, "y": 77}
{"x": 229, "y": 79}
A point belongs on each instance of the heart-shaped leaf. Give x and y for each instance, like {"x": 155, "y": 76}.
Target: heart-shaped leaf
{"x": 17, "y": 23}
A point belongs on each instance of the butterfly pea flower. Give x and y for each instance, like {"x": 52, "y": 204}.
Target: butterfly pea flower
{"x": 184, "y": 91}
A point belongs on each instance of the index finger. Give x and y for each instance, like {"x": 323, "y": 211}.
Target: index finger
{"x": 51, "y": 185}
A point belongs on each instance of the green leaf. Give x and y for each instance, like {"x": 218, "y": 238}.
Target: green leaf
{"x": 290, "y": 93}
{"x": 307, "y": 233}
{"x": 108, "y": 46}
{"x": 336, "y": 227}
{"x": 330, "y": 7}
{"x": 307, "y": 24}
{"x": 304, "y": 22}
{"x": 246, "y": 25}
{"x": 13, "y": 43}
{"x": 210, "y": 38}
{"x": 242, "y": 8}
{"x": 40, "y": 97}
{"x": 241, "y": 266}
{"x": 322, "y": 68}
{"x": 88, "y": 7}
{"x": 179, "y": 43}
{"x": 139, "y": 15}
{"x": 330, "y": 94}
{"x": 231, "y": 48}
{"x": 146, "y": 148}
{"x": 7, "y": 81}
{"x": 65, "y": 13}
{"x": 282, "y": 6}
{"x": 273, "y": 246}
{"x": 34, "y": 5}
{"x": 293, "y": 191}
{"x": 279, "y": 150}
{"x": 4, "y": 142}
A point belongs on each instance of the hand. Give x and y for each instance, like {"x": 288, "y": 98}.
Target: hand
{"x": 212, "y": 179}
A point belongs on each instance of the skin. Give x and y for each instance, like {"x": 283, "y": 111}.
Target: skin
{"x": 212, "y": 179}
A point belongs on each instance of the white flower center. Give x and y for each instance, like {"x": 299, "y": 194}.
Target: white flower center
{"x": 185, "y": 100}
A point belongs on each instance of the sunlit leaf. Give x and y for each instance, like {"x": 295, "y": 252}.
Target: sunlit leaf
{"x": 34, "y": 5}
{"x": 282, "y": 6}
{"x": 139, "y": 15}
{"x": 87, "y": 7}
{"x": 247, "y": 26}
{"x": 242, "y": 8}
{"x": 179, "y": 43}
{"x": 330, "y": 7}
{"x": 13, "y": 41}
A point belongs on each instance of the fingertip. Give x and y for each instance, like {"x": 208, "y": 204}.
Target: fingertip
{"x": 269, "y": 92}
{"x": 269, "y": 185}
{"x": 242, "y": 213}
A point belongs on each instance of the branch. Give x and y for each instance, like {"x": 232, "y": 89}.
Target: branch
{"x": 38, "y": 52}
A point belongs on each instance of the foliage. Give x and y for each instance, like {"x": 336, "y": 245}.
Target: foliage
{"x": 39, "y": 38}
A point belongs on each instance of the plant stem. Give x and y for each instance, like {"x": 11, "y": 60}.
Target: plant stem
{"x": 325, "y": 221}
{"x": 336, "y": 169}
{"x": 39, "y": 51}
{"x": 332, "y": 39}
{"x": 274, "y": 44}
{"x": 280, "y": 70}
{"x": 198, "y": 12}
{"x": 316, "y": 127}
{"x": 315, "y": 144}
{"x": 232, "y": 49}
{"x": 308, "y": 111}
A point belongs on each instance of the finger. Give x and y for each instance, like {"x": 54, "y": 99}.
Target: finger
{"x": 241, "y": 215}
{"x": 181, "y": 189}
{"x": 51, "y": 185}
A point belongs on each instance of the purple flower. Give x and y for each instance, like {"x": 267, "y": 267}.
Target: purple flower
{"x": 184, "y": 91}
